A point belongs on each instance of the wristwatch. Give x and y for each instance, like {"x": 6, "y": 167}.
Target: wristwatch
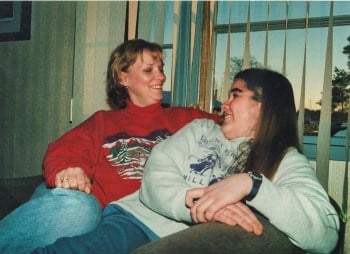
{"x": 257, "y": 180}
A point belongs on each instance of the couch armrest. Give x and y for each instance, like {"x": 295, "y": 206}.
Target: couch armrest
{"x": 215, "y": 237}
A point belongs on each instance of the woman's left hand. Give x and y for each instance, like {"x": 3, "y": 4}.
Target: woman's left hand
{"x": 205, "y": 202}
{"x": 239, "y": 214}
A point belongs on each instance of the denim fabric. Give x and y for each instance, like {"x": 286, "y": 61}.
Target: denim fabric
{"x": 47, "y": 216}
{"x": 119, "y": 232}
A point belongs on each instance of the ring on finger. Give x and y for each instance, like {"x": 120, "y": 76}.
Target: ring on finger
{"x": 65, "y": 179}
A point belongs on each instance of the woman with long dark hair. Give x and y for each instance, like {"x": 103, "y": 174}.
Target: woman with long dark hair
{"x": 228, "y": 173}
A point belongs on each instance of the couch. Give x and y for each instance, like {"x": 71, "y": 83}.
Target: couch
{"x": 15, "y": 191}
{"x": 219, "y": 238}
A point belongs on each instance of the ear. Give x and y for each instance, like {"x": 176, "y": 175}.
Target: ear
{"x": 123, "y": 79}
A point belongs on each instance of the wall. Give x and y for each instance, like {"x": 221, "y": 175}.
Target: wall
{"x": 66, "y": 56}
{"x": 35, "y": 88}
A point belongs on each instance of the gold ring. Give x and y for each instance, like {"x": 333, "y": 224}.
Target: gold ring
{"x": 65, "y": 179}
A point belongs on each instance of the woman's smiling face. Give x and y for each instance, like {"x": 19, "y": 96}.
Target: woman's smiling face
{"x": 241, "y": 112}
{"x": 144, "y": 79}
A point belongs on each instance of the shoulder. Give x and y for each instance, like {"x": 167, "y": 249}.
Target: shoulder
{"x": 107, "y": 113}
{"x": 295, "y": 164}
{"x": 190, "y": 113}
{"x": 207, "y": 124}
{"x": 292, "y": 154}
{"x": 101, "y": 116}
{"x": 188, "y": 136}
{"x": 199, "y": 127}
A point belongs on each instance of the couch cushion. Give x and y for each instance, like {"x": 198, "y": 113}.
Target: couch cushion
{"x": 15, "y": 191}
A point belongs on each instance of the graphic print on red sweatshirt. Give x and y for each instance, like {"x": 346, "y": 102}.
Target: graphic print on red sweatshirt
{"x": 128, "y": 154}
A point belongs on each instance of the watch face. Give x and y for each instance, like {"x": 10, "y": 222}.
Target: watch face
{"x": 258, "y": 175}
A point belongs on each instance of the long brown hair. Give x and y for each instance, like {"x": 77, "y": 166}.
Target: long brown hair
{"x": 120, "y": 60}
{"x": 277, "y": 128}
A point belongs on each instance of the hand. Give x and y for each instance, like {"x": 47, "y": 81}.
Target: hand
{"x": 73, "y": 178}
{"x": 241, "y": 215}
{"x": 205, "y": 202}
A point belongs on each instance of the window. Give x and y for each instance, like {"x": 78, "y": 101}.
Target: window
{"x": 274, "y": 13}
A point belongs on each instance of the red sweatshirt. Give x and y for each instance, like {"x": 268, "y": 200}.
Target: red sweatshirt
{"x": 112, "y": 146}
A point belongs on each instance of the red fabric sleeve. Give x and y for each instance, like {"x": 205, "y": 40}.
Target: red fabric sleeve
{"x": 77, "y": 148}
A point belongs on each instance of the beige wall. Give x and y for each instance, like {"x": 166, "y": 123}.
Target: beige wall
{"x": 67, "y": 54}
{"x": 35, "y": 88}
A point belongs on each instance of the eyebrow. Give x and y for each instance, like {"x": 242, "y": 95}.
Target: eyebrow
{"x": 236, "y": 90}
{"x": 151, "y": 64}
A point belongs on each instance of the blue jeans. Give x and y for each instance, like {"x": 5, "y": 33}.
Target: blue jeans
{"x": 119, "y": 233}
{"x": 47, "y": 216}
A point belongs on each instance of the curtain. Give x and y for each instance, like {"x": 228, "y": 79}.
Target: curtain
{"x": 267, "y": 37}
{"x": 284, "y": 66}
{"x": 206, "y": 93}
{"x": 151, "y": 21}
{"x": 227, "y": 79}
{"x": 191, "y": 86}
{"x": 132, "y": 19}
{"x": 192, "y": 98}
{"x": 301, "y": 115}
{"x": 323, "y": 138}
{"x": 246, "y": 58}
{"x": 346, "y": 174}
{"x": 183, "y": 49}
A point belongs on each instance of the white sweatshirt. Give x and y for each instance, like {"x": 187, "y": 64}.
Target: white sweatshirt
{"x": 198, "y": 154}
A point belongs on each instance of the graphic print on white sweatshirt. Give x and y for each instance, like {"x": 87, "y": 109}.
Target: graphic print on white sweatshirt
{"x": 211, "y": 160}
{"x": 128, "y": 154}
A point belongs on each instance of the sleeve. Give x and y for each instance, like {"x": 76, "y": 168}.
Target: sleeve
{"x": 163, "y": 187}
{"x": 77, "y": 148}
{"x": 296, "y": 193}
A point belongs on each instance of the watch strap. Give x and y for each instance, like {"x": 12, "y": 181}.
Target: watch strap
{"x": 257, "y": 180}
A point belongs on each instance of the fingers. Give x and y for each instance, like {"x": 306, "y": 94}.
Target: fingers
{"x": 193, "y": 195}
{"x": 218, "y": 195}
{"x": 73, "y": 178}
{"x": 204, "y": 208}
{"x": 197, "y": 211}
{"x": 59, "y": 179}
{"x": 251, "y": 218}
{"x": 201, "y": 211}
{"x": 223, "y": 217}
{"x": 87, "y": 187}
{"x": 240, "y": 214}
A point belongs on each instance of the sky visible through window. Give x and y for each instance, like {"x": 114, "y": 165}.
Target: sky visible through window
{"x": 316, "y": 46}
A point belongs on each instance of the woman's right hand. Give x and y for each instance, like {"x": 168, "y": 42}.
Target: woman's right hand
{"x": 73, "y": 178}
{"x": 241, "y": 215}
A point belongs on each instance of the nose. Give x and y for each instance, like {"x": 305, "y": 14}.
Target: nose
{"x": 225, "y": 105}
{"x": 161, "y": 76}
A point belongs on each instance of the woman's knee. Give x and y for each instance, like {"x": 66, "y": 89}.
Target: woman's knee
{"x": 70, "y": 211}
{"x": 47, "y": 217}
{"x": 80, "y": 207}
